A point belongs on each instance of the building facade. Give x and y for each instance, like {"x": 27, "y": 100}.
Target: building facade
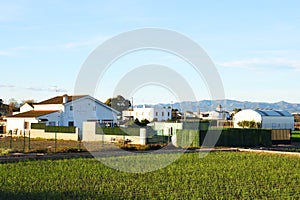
{"x": 149, "y": 113}
{"x": 268, "y": 119}
{"x": 62, "y": 111}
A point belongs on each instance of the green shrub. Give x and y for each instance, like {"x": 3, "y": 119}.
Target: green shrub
{"x": 60, "y": 129}
{"x": 38, "y": 126}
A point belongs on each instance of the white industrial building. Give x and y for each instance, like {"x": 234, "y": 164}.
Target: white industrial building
{"x": 268, "y": 119}
{"x": 149, "y": 113}
{"x": 62, "y": 111}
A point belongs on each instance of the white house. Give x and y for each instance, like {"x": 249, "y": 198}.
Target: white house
{"x": 149, "y": 113}
{"x": 62, "y": 111}
{"x": 218, "y": 114}
{"x": 269, "y": 119}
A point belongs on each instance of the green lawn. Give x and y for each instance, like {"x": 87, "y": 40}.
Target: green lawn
{"x": 224, "y": 175}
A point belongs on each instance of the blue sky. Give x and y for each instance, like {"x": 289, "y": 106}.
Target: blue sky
{"x": 255, "y": 46}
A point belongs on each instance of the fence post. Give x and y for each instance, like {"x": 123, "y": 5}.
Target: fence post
{"x": 10, "y": 142}
{"x": 55, "y": 141}
{"x": 24, "y": 139}
{"x": 29, "y": 140}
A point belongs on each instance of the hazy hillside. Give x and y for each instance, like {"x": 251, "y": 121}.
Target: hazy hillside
{"x": 229, "y": 105}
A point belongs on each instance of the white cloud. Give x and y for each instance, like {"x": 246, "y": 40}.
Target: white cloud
{"x": 15, "y": 51}
{"x": 50, "y": 89}
{"x": 79, "y": 44}
{"x": 56, "y": 89}
{"x": 260, "y": 63}
{"x": 6, "y": 86}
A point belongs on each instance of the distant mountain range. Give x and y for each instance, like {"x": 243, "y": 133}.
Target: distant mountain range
{"x": 229, "y": 105}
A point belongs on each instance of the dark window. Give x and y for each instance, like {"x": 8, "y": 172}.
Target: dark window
{"x": 71, "y": 123}
{"x": 71, "y": 108}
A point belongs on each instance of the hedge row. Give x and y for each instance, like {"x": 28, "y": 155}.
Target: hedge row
{"x": 226, "y": 137}
{"x": 60, "y": 129}
{"x": 202, "y": 125}
{"x": 54, "y": 129}
{"x": 123, "y": 131}
{"x": 38, "y": 126}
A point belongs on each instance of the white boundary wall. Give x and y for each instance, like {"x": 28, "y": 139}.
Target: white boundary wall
{"x": 40, "y": 133}
{"x": 89, "y": 135}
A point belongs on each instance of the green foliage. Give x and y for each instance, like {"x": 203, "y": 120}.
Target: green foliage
{"x": 143, "y": 122}
{"x": 249, "y": 124}
{"x": 119, "y": 103}
{"x": 118, "y": 131}
{"x": 54, "y": 129}
{"x": 38, "y": 126}
{"x": 295, "y": 136}
{"x": 224, "y": 175}
{"x": 201, "y": 125}
{"x": 60, "y": 129}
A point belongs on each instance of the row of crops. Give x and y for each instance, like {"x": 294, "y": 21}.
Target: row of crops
{"x": 217, "y": 176}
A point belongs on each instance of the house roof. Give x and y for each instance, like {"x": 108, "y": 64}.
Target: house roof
{"x": 33, "y": 113}
{"x": 273, "y": 113}
{"x": 59, "y": 99}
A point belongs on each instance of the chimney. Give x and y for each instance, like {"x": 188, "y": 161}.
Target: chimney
{"x": 65, "y": 98}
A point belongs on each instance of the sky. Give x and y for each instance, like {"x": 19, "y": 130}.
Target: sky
{"x": 254, "y": 44}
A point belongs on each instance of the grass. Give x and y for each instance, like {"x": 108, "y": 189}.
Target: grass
{"x": 223, "y": 175}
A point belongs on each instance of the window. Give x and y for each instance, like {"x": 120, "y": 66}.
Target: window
{"x": 71, "y": 123}
{"x": 168, "y": 114}
{"x": 94, "y": 108}
{"x": 71, "y": 108}
{"x": 52, "y": 123}
{"x": 156, "y": 113}
{"x": 162, "y": 113}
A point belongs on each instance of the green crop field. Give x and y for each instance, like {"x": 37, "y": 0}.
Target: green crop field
{"x": 223, "y": 175}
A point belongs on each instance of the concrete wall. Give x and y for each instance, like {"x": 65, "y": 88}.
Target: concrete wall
{"x": 89, "y": 134}
{"x": 40, "y": 133}
{"x": 164, "y": 128}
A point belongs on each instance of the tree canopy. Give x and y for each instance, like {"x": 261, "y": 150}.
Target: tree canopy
{"x": 118, "y": 103}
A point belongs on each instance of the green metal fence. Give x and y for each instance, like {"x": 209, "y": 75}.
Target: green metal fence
{"x": 228, "y": 137}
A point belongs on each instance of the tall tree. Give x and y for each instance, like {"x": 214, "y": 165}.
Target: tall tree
{"x": 13, "y": 105}
{"x": 29, "y": 101}
{"x": 119, "y": 103}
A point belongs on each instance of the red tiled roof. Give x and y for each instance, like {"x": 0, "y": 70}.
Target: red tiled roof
{"x": 59, "y": 99}
{"x": 34, "y": 113}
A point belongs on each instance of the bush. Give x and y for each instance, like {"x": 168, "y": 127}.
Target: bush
{"x": 60, "y": 129}
{"x": 38, "y": 126}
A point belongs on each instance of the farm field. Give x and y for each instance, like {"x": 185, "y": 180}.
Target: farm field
{"x": 219, "y": 175}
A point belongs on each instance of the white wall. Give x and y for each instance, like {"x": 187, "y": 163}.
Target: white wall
{"x": 246, "y": 115}
{"x": 86, "y": 109}
{"x": 269, "y": 122}
{"x": 48, "y": 107}
{"x": 89, "y": 134}
{"x": 19, "y": 123}
{"x": 25, "y": 108}
{"x": 37, "y": 133}
{"x": 160, "y": 114}
{"x": 279, "y": 122}
{"x": 54, "y": 119}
